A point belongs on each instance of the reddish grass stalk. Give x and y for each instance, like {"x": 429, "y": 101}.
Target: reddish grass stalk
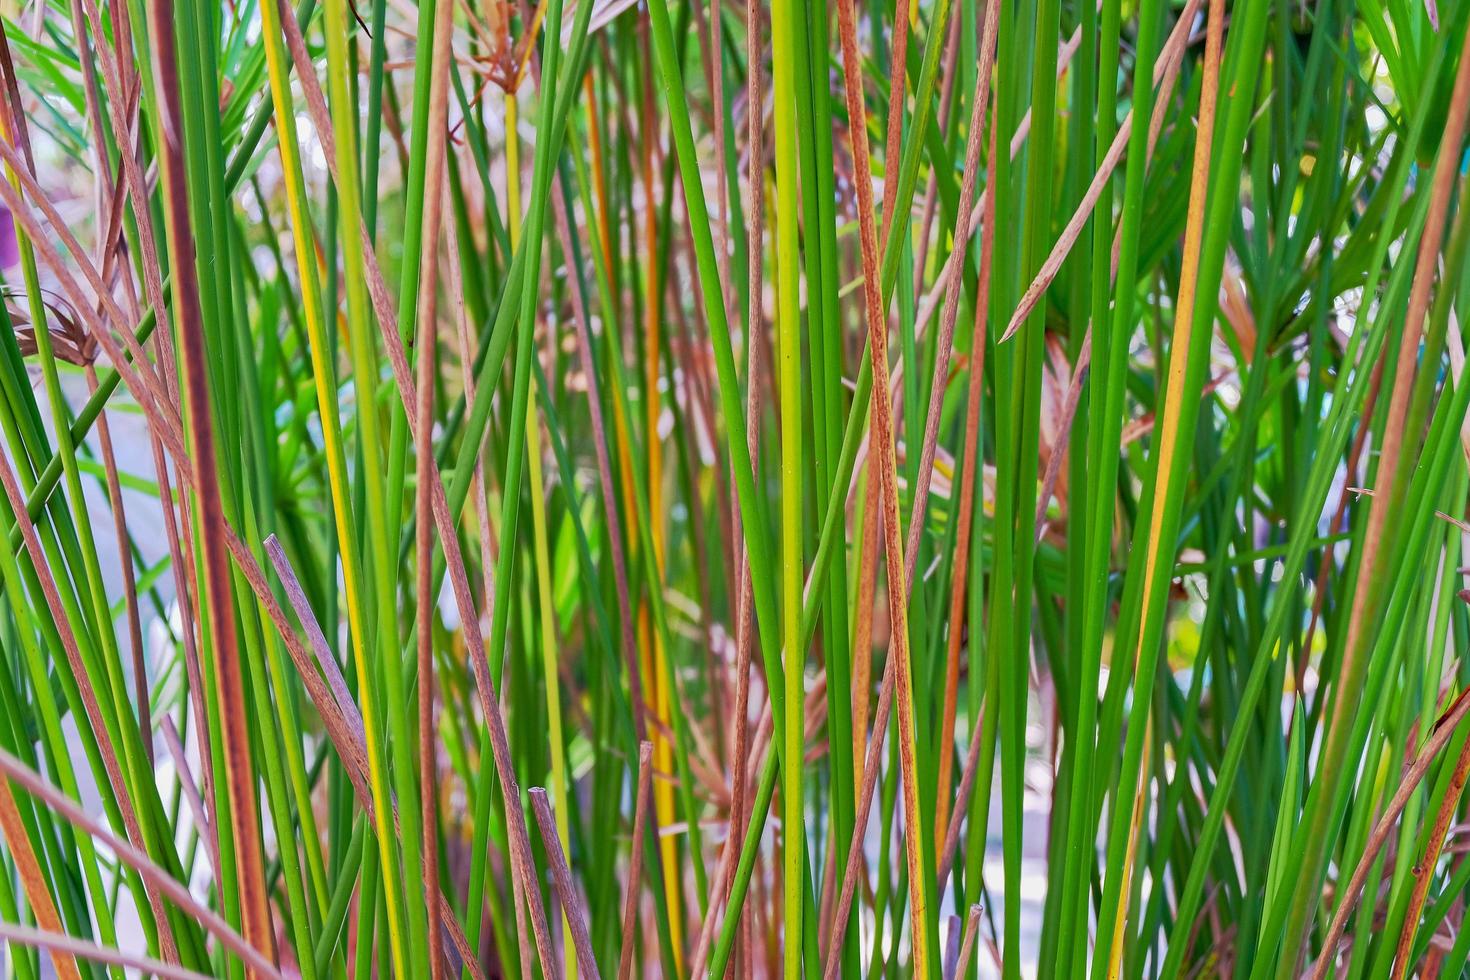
{"x": 1423, "y": 868}
{"x": 209, "y": 510}
{"x": 329, "y": 693}
{"x": 428, "y": 296}
{"x": 635, "y": 859}
{"x": 33, "y": 879}
{"x": 562, "y": 883}
{"x": 1392, "y": 448}
{"x": 1439, "y": 736}
{"x": 883, "y": 443}
{"x": 163, "y": 882}
{"x": 57, "y": 943}
{"x": 972, "y": 401}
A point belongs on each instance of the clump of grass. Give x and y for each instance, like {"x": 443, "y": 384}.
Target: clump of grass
{"x": 705, "y": 489}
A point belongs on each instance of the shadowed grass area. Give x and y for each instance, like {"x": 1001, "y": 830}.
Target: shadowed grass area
{"x": 956, "y": 488}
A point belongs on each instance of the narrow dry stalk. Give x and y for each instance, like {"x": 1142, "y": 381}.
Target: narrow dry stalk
{"x": 862, "y": 643}
{"x": 635, "y": 859}
{"x": 972, "y": 404}
{"x": 961, "y": 803}
{"x": 1166, "y": 68}
{"x": 59, "y": 943}
{"x": 898, "y": 580}
{"x": 426, "y": 352}
{"x": 1347, "y": 899}
{"x": 328, "y": 691}
{"x": 190, "y": 789}
{"x": 948, "y": 75}
{"x": 33, "y": 880}
{"x": 755, "y": 327}
{"x": 129, "y": 575}
{"x": 945, "y": 340}
{"x": 165, "y": 884}
{"x": 1423, "y": 869}
{"x": 898, "y": 61}
{"x": 561, "y": 881}
{"x": 967, "y": 946}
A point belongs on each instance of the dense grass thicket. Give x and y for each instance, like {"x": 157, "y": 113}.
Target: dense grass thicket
{"x": 686, "y": 488}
